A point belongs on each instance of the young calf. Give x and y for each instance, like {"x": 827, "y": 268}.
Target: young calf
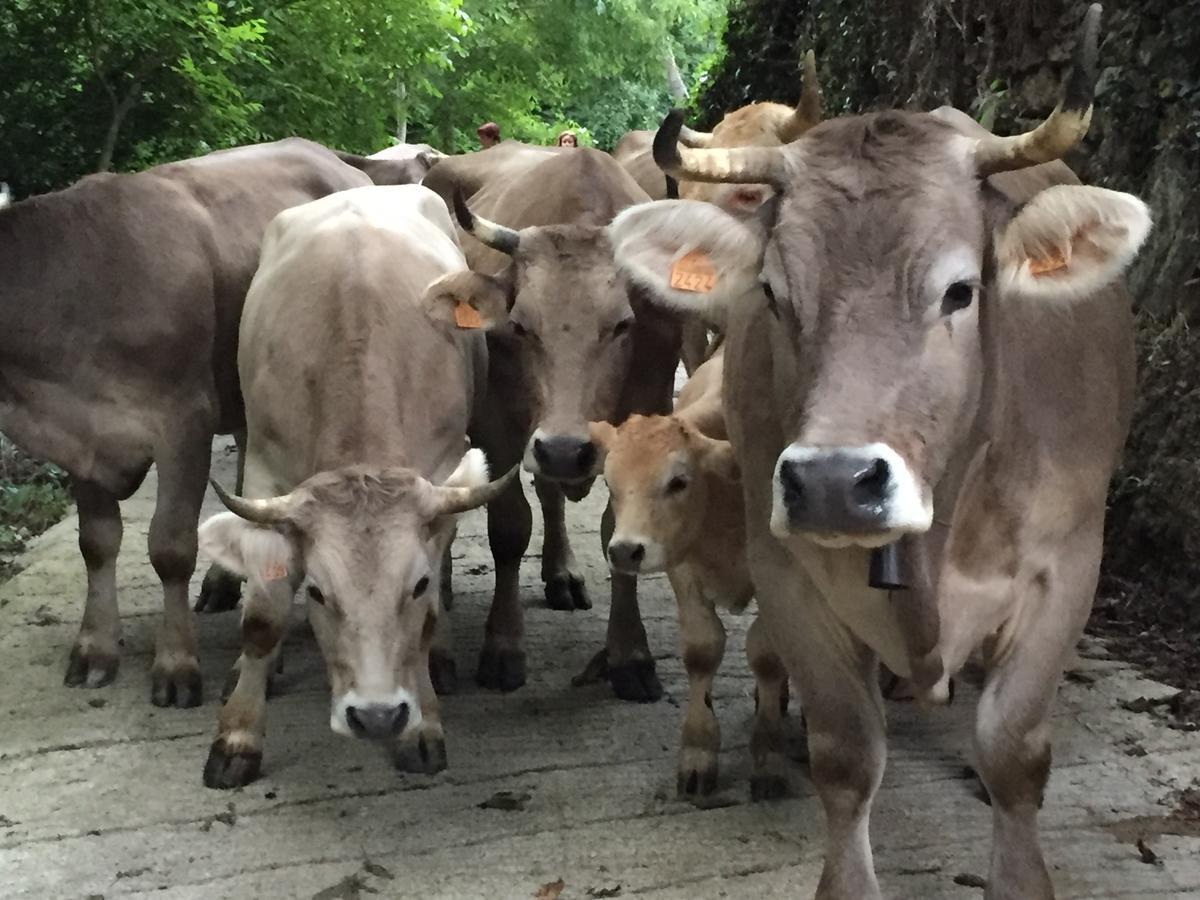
{"x": 678, "y": 504}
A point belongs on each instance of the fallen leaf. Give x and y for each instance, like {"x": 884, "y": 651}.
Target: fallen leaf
{"x": 550, "y": 890}
{"x": 1149, "y": 857}
{"x": 966, "y": 879}
{"x": 509, "y": 801}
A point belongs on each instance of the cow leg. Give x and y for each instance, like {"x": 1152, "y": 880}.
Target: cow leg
{"x": 235, "y": 757}
{"x": 182, "y": 475}
{"x": 502, "y": 660}
{"x": 565, "y": 587}
{"x": 694, "y": 345}
{"x": 94, "y": 661}
{"x": 769, "y": 778}
{"x": 448, "y": 578}
{"x": 424, "y": 752}
{"x": 442, "y": 669}
{"x": 702, "y": 637}
{"x": 221, "y": 589}
{"x": 1012, "y": 728}
{"x": 630, "y": 666}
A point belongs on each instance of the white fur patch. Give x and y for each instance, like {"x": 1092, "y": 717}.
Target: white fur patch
{"x": 1082, "y": 237}
{"x": 648, "y": 239}
{"x": 243, "y": 548}
{"x": 472, "y": 471}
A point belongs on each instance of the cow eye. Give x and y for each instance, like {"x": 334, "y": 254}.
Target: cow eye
{"x": 315, "y": 595}
{"x": 958, "y": 296}
{"x": 420, "y": 586}
{"x": 622, "y": 327}
{"x": 677, "y": 484}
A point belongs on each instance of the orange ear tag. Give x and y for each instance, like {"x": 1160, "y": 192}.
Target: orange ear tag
{"x": 693, "y": 272}
{"x": 1047, "y": 264}
{"x": 467, "y": 316}
{"x": 275, "y": 572}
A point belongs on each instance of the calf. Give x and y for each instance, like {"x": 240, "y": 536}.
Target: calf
{"x": 677, "y": 498}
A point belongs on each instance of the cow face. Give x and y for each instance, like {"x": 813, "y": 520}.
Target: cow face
{"x": 886, "y": 253}
{"x": 365, "y": 544}
{"x": 564, "y": 319}
{"x": 658, "y": 470}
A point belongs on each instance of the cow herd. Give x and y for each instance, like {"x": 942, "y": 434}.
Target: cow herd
{"x": 897, "y": 441}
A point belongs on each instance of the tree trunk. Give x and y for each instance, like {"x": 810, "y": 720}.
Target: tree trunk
{"x": 120, "y": 110}
{"x": 401, "y": 111}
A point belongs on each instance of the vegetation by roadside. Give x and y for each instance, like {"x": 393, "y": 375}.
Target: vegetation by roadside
{"x": 33, "y": 496}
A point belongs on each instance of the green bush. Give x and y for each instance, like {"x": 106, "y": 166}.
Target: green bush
{"x": 33, "y": 496}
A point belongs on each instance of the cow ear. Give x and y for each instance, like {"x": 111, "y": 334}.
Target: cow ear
{"x": 690, "y": 256}
{"x": 602, "y": 434}
{"x": 718, "y": 458}
{"x": 246, "y": 549}
{"x": 1069, "y": 241}
{"x": 467, "y": 300}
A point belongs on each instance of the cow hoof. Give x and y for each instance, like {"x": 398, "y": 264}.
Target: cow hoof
{"x": 226, "y": 769}
{"x": 567, "y": 592}
{"x": 219, "y": 592}
{"x": 696, "y": 782}
{"x": 425, "y": 757}
{"x": 768, "y": 787}
{"x": 636, "y": 681}
{"x": 501, "y": 670}
{"x": 91, "y": 668}
{"x": 443, "y": 672}
{"x": 181, "y": 687}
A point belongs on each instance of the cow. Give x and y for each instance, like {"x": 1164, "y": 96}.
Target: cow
{"x": 929, "y": 359}
{"x": 677, "y": 501}
{"x": 125, "y": 354}
{"x": 469, "y": 173}
{"x": 398, "y": 164}
{"x": 358, "y": 398}
{"x": 568, "y": 343}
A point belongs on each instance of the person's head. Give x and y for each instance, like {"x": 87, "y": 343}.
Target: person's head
{"x": 568, "y": 139}
{"x": 489, "y": 134}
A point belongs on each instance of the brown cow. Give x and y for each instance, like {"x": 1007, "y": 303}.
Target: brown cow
{"x": 124, "y": 355}
{"x": 351, "y": 464}
{"x": 943, "y": 359}
{"x": 677, "y": 499}
{"x": 569, "y": 343}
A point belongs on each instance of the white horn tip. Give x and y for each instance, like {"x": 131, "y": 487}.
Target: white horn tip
{"x": 472, "y": 471}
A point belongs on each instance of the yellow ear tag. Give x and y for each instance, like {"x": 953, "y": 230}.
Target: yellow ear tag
{"x": 1053, "y": 262}
{"x": 467, "y": 316}
{"x": 693, "y": 272}
{"x": 275, "y": 572}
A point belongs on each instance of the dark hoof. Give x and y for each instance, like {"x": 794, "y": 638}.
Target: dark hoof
{"x": 696, "y": 782}
{"x": 219, "y": 592}
{"x": 443, "y": 672}
{"x": 93, "y": 670}
{"x": 501, "y": 670}
{"x": 768, "y": 787}
{"x": 636, "y": 681}
{"x": 181, "y": 688}
{"x": 425, "y": 757}
{"x": 225, "y": 770}
{"x": 567, "y": 592}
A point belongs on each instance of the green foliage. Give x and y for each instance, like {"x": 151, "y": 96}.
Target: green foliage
{"x": 33, "y": 496}
{"x": 85, "y": 84}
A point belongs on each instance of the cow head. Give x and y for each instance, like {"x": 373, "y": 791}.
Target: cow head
{"x": 659, "y": 470}
{"x": 366, "y": 544}
{"x": 563, "y": 313}
{"x": 887, "y": 249}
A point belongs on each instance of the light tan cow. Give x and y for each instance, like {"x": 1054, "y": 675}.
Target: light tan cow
{"x": 943, "y": 362}
{"x": 677, "y": 499}
{"x": 358, "y": 399}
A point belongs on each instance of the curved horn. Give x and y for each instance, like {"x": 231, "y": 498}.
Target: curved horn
{"x": 1065, "y": 127}
{"x": 808, "y": 110}
{"x": 271, "y": 511}
{"x": 741, "y": 165}
{"x": 691, "y": 138}
{"x": 448, "y": 501}
{"x": 495, "y": 236}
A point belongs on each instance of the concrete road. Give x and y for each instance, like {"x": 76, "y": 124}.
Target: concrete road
{"x": 100, "y": 793}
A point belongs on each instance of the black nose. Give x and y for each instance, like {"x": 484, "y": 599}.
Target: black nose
{"x": 377, "y": 721}
{"x": 626, "y": 556}
{"x": 564, "y": 458}
{"x": 836, "y": 491}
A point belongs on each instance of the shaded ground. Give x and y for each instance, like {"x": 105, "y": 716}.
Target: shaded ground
{"x": 100, "y": 794}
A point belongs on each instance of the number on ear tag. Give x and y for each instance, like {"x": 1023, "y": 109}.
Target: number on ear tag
{"x": 467, "y": 316}
{"x": 693, "y": 272}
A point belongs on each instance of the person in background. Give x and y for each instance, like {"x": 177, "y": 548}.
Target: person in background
{"x": 489, "y": 135}
{"x": 567, "y": 139}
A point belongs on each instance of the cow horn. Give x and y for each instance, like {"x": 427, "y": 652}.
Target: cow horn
{"x": 495, "y": 236}
{"x": 449, "y": 501}
{"x": 269, "y": 511}
{"x": 1065, "y": 127}
{"x": 740, "y": 165}
{"x": 689, "y": 137}
{"x": 808, "y": 110}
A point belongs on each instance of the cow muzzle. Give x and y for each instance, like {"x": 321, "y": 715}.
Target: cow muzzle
{"x": 841, "y": 496}
{"x": 375, "y": 719}
{"x": 561, "y": 457}
{"x": 635, "y": 555}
